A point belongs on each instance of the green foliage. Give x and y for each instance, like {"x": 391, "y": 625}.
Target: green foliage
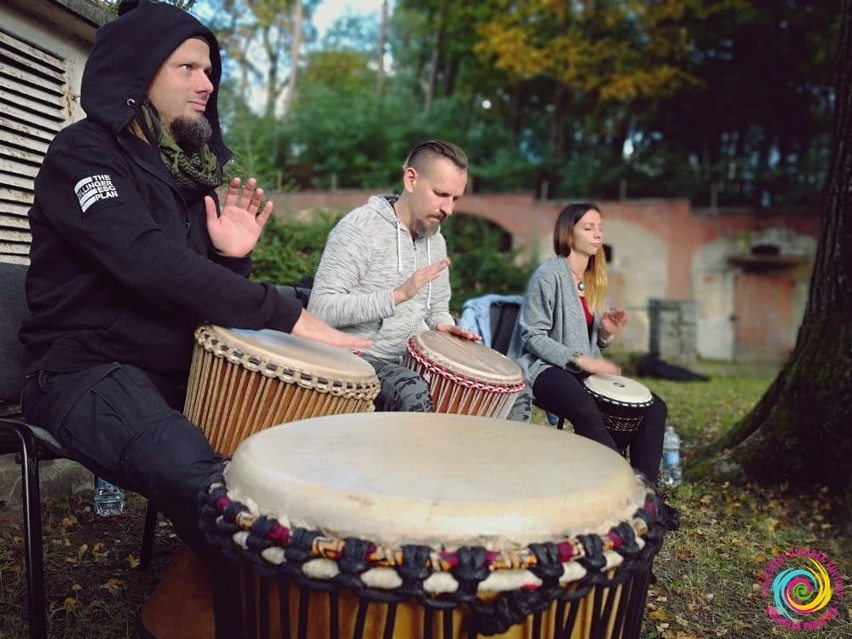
{"x": 670, "y": 99}
{"x": 289, "y": 250}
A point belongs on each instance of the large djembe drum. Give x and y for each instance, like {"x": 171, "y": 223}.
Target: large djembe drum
{"x": 622, "y": 402}
{"x": 243, "y": 381}
{"x": 464, "y": 377}
{"x": 413, "y": 525}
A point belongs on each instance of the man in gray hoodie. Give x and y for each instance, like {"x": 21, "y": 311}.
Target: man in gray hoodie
{"x": 383, "y": 274}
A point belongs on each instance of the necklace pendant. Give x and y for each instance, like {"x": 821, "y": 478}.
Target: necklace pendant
{"x": 581, "y": 286}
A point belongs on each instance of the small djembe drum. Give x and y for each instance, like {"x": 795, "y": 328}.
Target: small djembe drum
{"x": 622, "y": 402}
{"x": 407, "y": 525}
{"x": 464, "y": 377}
{"x": 243, "y": 381}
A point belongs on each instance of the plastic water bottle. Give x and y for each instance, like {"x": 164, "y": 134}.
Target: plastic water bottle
{"x": 109, "y": 499}
{"x": 672, "y": 470}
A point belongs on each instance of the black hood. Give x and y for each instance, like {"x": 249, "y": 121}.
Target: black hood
{"x": 128, "y": 52}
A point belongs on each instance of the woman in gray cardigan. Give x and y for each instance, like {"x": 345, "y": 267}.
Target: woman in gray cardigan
{"x": 562, "y": 329}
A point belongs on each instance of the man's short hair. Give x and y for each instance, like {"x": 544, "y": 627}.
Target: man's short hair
{"x": 425, "y": 152}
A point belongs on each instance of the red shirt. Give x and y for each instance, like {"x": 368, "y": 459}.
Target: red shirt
{"x": 590, "y": 317}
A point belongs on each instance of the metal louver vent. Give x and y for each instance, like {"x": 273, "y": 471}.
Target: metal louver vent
{"x": 32, "y": 110}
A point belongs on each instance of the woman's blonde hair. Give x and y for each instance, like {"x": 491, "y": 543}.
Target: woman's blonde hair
{"x": 595, "y": 277}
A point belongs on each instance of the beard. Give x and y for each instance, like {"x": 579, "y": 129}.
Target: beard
{"x": 425, "y": 228}
{"x": 191, "y": 134}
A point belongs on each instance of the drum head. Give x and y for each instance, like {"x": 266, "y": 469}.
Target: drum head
{"x": 622, "y": 390}
{"x": 467, "y": 358}
{"x": 441, "y": 480}
{"x": 289, "y": 351}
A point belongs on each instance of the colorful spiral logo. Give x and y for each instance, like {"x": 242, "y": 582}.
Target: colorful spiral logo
{"x": 800, "y": 586}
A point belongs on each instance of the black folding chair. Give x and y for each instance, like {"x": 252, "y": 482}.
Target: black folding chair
{"x": 33, "y": 444}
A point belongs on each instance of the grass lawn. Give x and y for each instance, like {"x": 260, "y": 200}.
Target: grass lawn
{"x": 709, "y": 573}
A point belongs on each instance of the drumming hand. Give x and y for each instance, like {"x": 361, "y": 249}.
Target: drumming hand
{"x": 458, "y": 331}
{"x": 597, "y": 366}
{"x": 313, "y": 328}
{"x": 420, "y": 278}
{"x": 613, "y": 322}
{"x": 235, "y": 232}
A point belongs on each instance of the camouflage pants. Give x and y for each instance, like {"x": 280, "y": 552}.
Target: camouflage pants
{"x": 404, "y": 390}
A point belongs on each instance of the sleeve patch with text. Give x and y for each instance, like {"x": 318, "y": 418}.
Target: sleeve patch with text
{"x": 96, "y": 187}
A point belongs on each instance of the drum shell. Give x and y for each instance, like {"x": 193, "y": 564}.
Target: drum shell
{"x": 233, "y": 394}
{"x": 463, "y": 391}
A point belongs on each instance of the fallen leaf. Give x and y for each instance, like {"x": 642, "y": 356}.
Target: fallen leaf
{"x": 69, "y": 521}
{"x": 71, "y": 560}
{"x": 684, "y": 554}
{"x": 70, "y": 604}
{"x": 113, "y": 585}
{"x": 658, "y": 615}
{"x": 133, "y": 561}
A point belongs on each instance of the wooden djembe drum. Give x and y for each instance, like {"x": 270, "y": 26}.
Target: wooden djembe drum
{"x": 412, "y": 525}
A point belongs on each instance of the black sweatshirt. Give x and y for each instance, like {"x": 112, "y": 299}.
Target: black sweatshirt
{"x": 122, "y": 268}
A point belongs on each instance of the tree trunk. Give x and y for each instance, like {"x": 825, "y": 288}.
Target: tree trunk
{"x": 380, "y": 48}
{"x": 799, "y": 432}
{"x": 295, "y": 50}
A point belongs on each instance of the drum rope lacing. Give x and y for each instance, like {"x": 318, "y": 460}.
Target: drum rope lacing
{"x": 366, "y": 390}
{"x": 223, "y": 520}
{"x": 462, "y": 380}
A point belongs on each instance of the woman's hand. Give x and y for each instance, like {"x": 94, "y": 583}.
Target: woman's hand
{"x": 613, "y": 322}
{"x": 597, "y": 366}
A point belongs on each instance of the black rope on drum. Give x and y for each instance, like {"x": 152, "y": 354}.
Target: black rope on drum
{"x": 514, "y": 607}
{"x": 414, "y": 570}
{"x": 353, "y": 563}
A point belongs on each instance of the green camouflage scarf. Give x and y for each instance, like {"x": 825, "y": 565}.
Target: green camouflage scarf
{"x": 197, "y": 172}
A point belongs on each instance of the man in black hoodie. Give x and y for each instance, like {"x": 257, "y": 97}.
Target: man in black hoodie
{"x": 131, "y": 251}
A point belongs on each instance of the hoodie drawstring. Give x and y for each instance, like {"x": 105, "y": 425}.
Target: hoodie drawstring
{"x": 398, "y": 249}
{"x": 428, "y": 262}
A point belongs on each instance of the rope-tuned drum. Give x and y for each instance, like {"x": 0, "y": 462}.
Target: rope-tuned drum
{"x": 464, "y": 377}
{"x": 243, "y": 381}
{"x": 408, "y": 525}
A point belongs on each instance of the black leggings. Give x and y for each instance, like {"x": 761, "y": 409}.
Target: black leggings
{"x": 558, "y": 391}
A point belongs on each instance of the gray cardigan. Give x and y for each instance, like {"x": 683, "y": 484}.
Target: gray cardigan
{"x": 368, "y": 254}
{"x": 551, "y": 323}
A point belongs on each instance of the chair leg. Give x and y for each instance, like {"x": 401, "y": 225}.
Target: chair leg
{"x": 33, "y": 543}
{"x": 148, "y": 537}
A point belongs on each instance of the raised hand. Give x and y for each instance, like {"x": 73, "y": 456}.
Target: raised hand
{"x": 236, "y": 230}
{"x": 420, "y": 278}
{"x": 613, "y": 322}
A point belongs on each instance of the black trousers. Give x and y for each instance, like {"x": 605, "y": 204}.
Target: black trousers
{"x": 125, "y": 425}
{"x": 560, "y": 392}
